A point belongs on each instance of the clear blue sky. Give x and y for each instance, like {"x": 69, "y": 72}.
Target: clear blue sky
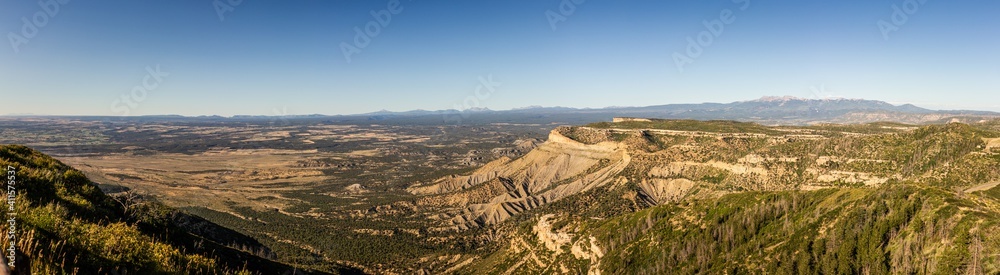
{"x": 286, "y": 56}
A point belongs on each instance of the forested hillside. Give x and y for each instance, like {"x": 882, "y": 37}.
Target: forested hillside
{"x": 723, "y": 197}
{"x": 63, "y": 224}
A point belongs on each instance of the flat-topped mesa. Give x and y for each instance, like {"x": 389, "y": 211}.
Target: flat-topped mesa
{"x": 582, "y": 138}
{"x": 581, "y": 135}
{"x": 556, "y": 137}
{"x": 569, "y": 150}
{"x": 558, "y": 168}
{"x": 629, "y": 119}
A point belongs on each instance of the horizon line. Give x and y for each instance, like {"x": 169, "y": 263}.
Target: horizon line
{"x": 486, "y": 109}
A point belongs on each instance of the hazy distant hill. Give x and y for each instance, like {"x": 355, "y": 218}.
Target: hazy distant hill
{"x": 768, "y": 110}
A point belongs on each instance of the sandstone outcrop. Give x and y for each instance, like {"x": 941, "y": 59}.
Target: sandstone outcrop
{"x": 558, "y": 168}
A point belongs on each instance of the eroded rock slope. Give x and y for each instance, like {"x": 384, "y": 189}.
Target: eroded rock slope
{"x": 558, "y": 168}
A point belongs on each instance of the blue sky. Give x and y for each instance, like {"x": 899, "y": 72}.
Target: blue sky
{"x": 285, "y": 57}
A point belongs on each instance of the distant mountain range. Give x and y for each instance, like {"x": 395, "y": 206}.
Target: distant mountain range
{"x": 768, "y": 110}
{"x": 765, "y": 110}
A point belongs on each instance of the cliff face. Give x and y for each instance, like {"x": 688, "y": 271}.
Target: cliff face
{"x": 558, "y": 168}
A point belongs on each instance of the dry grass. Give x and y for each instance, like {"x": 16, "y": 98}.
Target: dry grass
{"x": 254, "y": 178}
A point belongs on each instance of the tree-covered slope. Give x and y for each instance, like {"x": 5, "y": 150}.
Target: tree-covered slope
{"x": 64, "y": 224}
{"x": 889, "y": 230}
{"x": 722, "y": 197}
